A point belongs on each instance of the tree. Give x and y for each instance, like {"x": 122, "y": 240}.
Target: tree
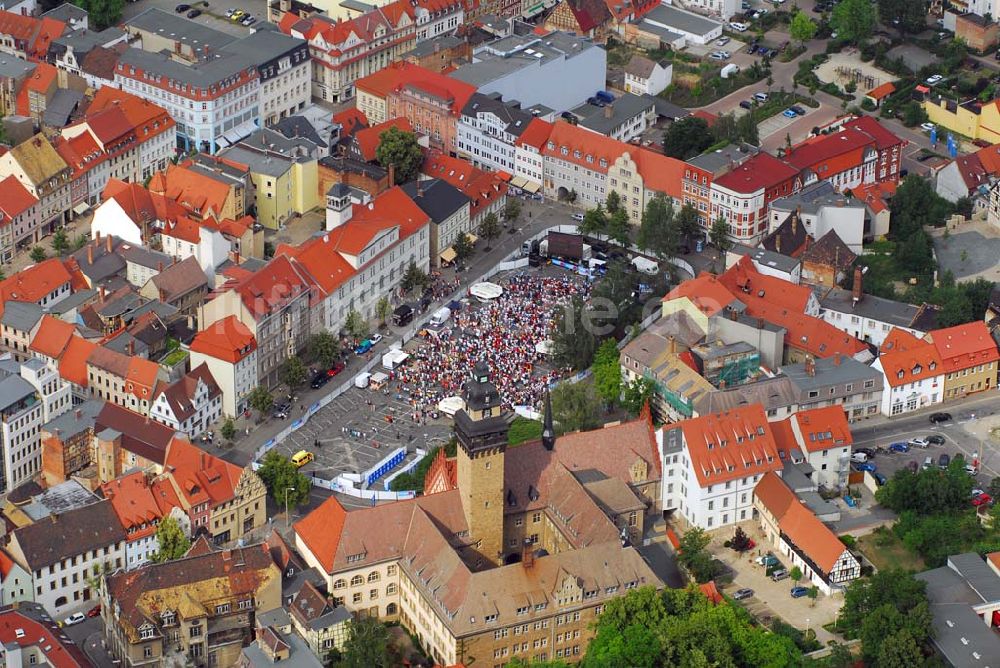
{"x": 802, "y": 28}
{"x": 613, "y": 202}
{"x": 595, "y": 221}
{"x": 892, "y": 587}
{"x": 278, "y": 474}
{"x": 619, "y": 229}
{"x": 324, "y": 348}
{"x": 906, "y": 15}
{"x": 60, "y": 243}
{"x": 260, "y": 399}
{"x": 171, "y": 541}
{"x": 687, "y": 138}
{"x": 400, "y": 149}
{"x": 608, "y": 373}
{"x": 994, "y": 488}
{"x": 228, "y": 429}
{"x": 356, "y": 325}
{"x": 926, "y": 492}
{"x": 573, "y": 341}
{"x": 575, "y": 407}
{"x": 102, "y": 13}
{"x": 463, "y": 246}
{"x": 512, "y": 209}
{"x": 687, "y": 221}
{"x": 636, "y": 394}
{"x": 38, "y": 254}
{"x": 368, "y": 646}
{"x": 80, "y": 241}
{"x": 383, "y": 308}
{"x": 718, "y": 235}
{"x": 795, "y": 574}
{"x": 489, "y": 229}
{"x": 912, "y": 114}
{"x": 658, "y": 231}
{"x": 413, "y": 277}
{"x": 293, "y": 373}
{"x": 899, "y": 650}
{"x": 853, "y": 20}
{"x": 740, "y": 541}
{"x": 694, "y": 556}
{"x": 813, "y": 594}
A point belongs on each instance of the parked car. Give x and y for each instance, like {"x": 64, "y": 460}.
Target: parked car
{"x": 194, "y": 13}
{"x": 719, "y": 55}
{"x": 939, "y": 417}
{"x": 799, "y": 592}
{"x": 788, "y": 113}
{"x": 180, "y": 9}
{"x": 879, "y": 478}
{"x": 899, "y": 447}
{"x": 363, "y": 347}
{"x": 375, "y": 339}
{"x": 919, "y": 442}
{"x": 335, "y": 369}
{"x": 982, "y": 499}
{"x": 934, "y": 79}
{"x": 75, "y": 618}
{"x": 746, "y": 104}
{"x": 976, "y": 492}
{"x": 320, "y": 379}
{"x": 738, "y": 27}
{"x": 944, "y": 460}
{"x": 869, "y": 452}
{"x": 766, "y": 560}
{"x": 741, "y": 594}
{"x": 972, "y": 469}
{"x": 799, "y": 111}
{"x": 577, "y": 217}
{"x": 722, "y": 41}
{"x": 95, "y": 611}
{"x": 753, "y": 48}
{"x": 760, "y": 97}
{"x": 928, "y": 462}
{"x": 248, "y": 21}
{"x": 867, "y": 466}
{"x": 859, "y": 457}
{"x": 935, "y": 439}
{"x": 779, "y": 575}
{"x": 927, "y": 127}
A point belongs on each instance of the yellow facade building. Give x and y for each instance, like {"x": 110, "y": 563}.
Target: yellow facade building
{"x": 969, "y": 119}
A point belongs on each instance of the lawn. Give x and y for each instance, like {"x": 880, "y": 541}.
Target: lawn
{"x": 885, "y": 550}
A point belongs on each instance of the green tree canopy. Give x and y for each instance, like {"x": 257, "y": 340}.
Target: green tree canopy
{"x": 228, "y": 429}
{"x": 171, "y": 541}
{"x": 863, "y": 597}
{"x": 687, "y": 221}
{"x": 573, "y": 341}
{"x": 368, "y": 645}
{"x": 613, "y": 201}
{"x": 595, "y": 221}
{"x": 260, "y": 399}
{"x": 907, "y": 15}
{"x": 293, "y": 373}
{"x": 400, "y": 149}
{"x": 659, "y": 231}
{"x": 927, "y": 491}
{"x": 463, "y": 246}
{"x": 512, "y": 209}
{"x": 60, "y": 242}
{"x": 802, "y": 28}
{"x": 356, "y": 325}
{"x": 636, "y": 394}
{"x": 718, "y": 235}
{"x": 278, "y": 474}
{"x": 575, "y": 407}
{"x": 853, "y": 20}
{"x": 619, "y": 228}
{"x": 102, "y": 13}
{"x": 608, "y": 373}
{"x": 686, "y": 138}
{"x": 38, "y": 254}
{"x": 489, "y": 229}
{"x": 324, "y": 347}
{"x": 414, "y": 277}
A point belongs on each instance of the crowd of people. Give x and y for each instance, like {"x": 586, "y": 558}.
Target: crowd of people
{"x": 504, "y": 332}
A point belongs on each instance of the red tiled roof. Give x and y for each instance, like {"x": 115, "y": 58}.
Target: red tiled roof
{"x": 36, "y": 33}
{"x": 320, "y": 258}
{"x": 227, "y": 339}
{"x": 132, "y": 499}
{"x": 536, "y": 134}
{"x": 876, "y": 194}
{"x": 989, "y": 157}
{"x": 587, "y": 149}
{"x": 197, "y": 193}
{"x": 73, "y": 363}
{"x": 883, "y": 137}
{"x": 706, "y": 293}
{"x": 760, "y": 172}
{"x": 906, "y": 359}
{"x": 711, "y": 592}
{"x": 885, "y": 90}
{"x": 368, "y": 139}
{"x": 14, "y": 199}
{"x": 744, "y": 281}
{"x": 200, "y": 477}
{"x": 661, "y": 173}
{"x": 391, "y": 208}
{"x": 481, "y": 187}
{"x": 964, "y": 346}
{"x": 52, "y": 337}
{"x": 272, "y": 286}
{"x": 730, "y": 445}
{"x": 35, "y": 282}
{"x": 140, "y": 204}
{"x": 795, "y": 520}
{"x": 819, "y": 429}
{"x": 184, "y": 229}
{"x": 39, "y": 82}
{"x": 321, "y": 530}
{"x": 26, "y": 632}
{"x": 350, "y": 120}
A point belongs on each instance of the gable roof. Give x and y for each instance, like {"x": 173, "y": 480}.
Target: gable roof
{"x": 905, "y": 359}
{"x": 829, "y": 250}
{"x": 732, "y": 444}
{"x": 14, "y": 199}
{"x": 879, "y": 92}
{"x": 52, "y": 337}
{"x": 68, "y": 534}
{"x": 761, "y": 171}
{"x": 180, "y": 279}
{"x": 706, "y": 292}
{"x": 819, "y": 429}
{"x": 199, "y": 477}
{"x": 798, "y": 524}
{"x": 227, "y": 339}
{"x": 367, "y": 140}
{"x": 589, "y": 14}
{"x": 964, "y": 346}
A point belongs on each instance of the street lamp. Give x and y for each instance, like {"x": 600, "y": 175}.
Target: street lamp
{"x": 287, "y": 490}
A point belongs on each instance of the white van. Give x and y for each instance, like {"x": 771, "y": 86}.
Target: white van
{"x": 645, "y": 265}
{"x": 441, "y": 316}
{"x": 738, "y": 27}
{"x": 362, "y": 379}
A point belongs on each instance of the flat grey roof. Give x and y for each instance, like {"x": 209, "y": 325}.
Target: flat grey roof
{"x": 178, "y": 28}
{"x": 13, "y": 67}
{"x": 767, "y": 258}
{"x": 202, "y": 74}
{"x": 75, "y": 420}
{"x": 71, "y": 302}
{"x": 665, "y": 34}
{"x": 870, "y": 306}
{"x": 61, "y": 498}
{"x": 714, "y": 161}
{"x": 496, "y": 59}
{"x": 814, "y": 197}
{"x": 21, "y": 315}
{"x": 668, "y": 109}
{"x": 13, "y": 389}
{"x": 517, "y": 119}
{"x": 829, "y": 372}
{"x": 771, "y": 393}
{"x": 426, "y": 47}
{"x": 265, "y": 45}
{"x": 681, "y": 20}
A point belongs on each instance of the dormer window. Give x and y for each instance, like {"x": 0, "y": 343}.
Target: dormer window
{"x": 899, "y": 374}
{"x": 932, "y": 366}
{"x": 917, "y": 369}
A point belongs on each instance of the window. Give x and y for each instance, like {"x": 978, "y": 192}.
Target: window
{"x": 356, "y": 580}
{"x": 357, "y": 597}
{"x": 373, "y": 576}
{"x": 340, "y": 584}
{"x": 147, "y": 633}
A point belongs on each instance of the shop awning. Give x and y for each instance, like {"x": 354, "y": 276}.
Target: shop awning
{"x": 81, "y": 208}
{"x": 472, "y": 237}
{"x": 448, "y": 255}
{"x": 518, "y": 181}
{"x": 504, "y": 176}
{"x": 532, "y": 187}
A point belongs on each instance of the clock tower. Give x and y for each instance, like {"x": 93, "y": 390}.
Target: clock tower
{"x": 481, "y": 431}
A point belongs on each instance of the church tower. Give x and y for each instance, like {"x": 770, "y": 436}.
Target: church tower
{"x": 482, "y": 441}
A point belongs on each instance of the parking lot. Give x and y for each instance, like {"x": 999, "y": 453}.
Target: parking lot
{"x": 213, "y": 12}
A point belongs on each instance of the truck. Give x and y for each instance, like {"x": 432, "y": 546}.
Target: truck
{"x": 645, "y": 265}
{"x": 403, "y": 315}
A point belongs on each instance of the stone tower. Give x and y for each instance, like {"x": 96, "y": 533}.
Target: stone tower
{"x": 482, "y": 440}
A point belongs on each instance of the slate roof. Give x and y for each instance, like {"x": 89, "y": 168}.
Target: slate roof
{"x": 72, "y": 533}
{"x": 179, "y": 279}
{"x": 436, "y": 197}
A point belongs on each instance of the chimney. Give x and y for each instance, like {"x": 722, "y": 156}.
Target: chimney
{"x": 109, "y": 243}
{"x": 777, "y": 243}
{"x": 420, "y": 188}
{"x": 836, "y": 360}
{"x": 159, "y": 266}
{"x": 841, "y": 202}
{"x": 90, "y": 254}
{"x": 609, "y": 111}
{"x": 392, "y": 175}
{"x": 673, "y": 345}
{"x": 733, "y": 315}
{"x": 856, "y": 292}
{"x": 101, "y": 291}
{"x": 795, "y": 223}
{"x": 810, "y": 366}
{"x": 527, "y": 555}
{"x": 131, "y": 348}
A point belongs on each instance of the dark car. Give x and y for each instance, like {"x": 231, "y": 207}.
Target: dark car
{"x": 194, "y": 13}
{"x": 182, "y": 8}
{"x": 753, "y": 48}
{"x": 939, "y": 417}
{"x": 799, "y": 592}
{"x": 936, "y": 439}
{"x": 746, "y": 104}
{"x": 912, "y": 465}
{"x": 738, "y": 595}
{"x": 879, "y": 478}
{"x": 798, "y": 110}
{"x": 944, "y": 460}
{"x": 320, "y": 379}
{"x": 596, "y": 101}
{"x": 868, "y": 451}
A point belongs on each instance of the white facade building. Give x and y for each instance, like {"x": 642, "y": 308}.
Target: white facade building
{"x": 487, "y": 131}
{"x": 229, "y": 350}
{"x": 821, "y": 208}
{"x": 914, "y": 378}
{"x": 712, "y": 463}
{"x": 20, "y": 424}
{"x": 724, "y": 9}
{"x": 191, "y": 404}
{"x": 54, "y": 392}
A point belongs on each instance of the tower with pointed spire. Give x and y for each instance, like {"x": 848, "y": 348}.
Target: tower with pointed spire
{"x": 548, "y": 433}
{"x": 481, "y": 431}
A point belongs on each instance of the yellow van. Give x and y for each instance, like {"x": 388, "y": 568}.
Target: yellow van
{"x": 301, "y": 458}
